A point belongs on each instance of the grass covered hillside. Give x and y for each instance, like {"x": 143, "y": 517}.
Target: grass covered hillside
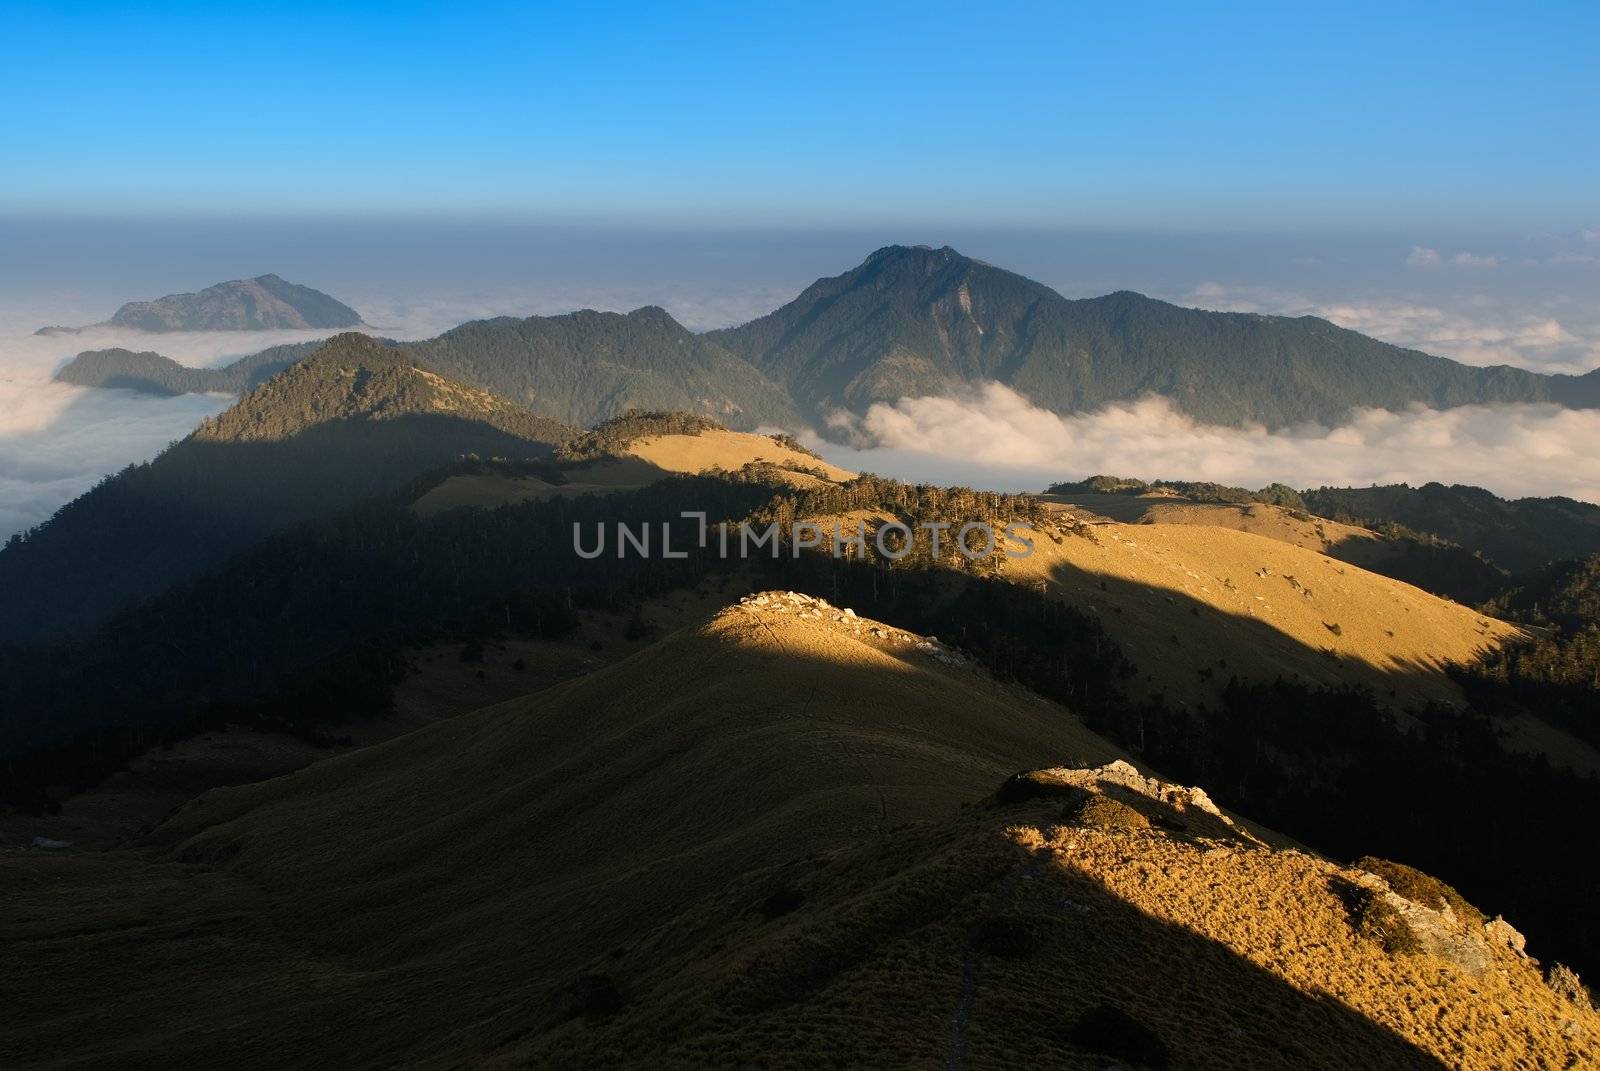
{"x": 804, "y": 855}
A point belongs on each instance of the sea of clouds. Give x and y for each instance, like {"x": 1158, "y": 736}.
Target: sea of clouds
{"x": 995, "y": 437}
{"x": 57, "y": 441}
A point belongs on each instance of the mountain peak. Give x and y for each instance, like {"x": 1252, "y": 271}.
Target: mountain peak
{"x": 915, "y": 321}
{"x": 354, "y": 376}
{"x": 943, "y": 254}
{"x": 263, "y": 303}
{"x": 655, "y": 314}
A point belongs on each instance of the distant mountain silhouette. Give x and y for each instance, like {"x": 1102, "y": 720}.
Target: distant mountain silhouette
{"x": 920, "y": 321}
{"x": 354, "y": 420}
{"x": 914, "y": 321}
{"x": 263, "y": 303}
{"x": 581, "y": 368}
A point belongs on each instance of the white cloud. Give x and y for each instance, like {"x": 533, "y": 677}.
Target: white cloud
{"x": 994, "y": 436}
{"x": 1424, "y": 257}
{"x": 58, "y": 441}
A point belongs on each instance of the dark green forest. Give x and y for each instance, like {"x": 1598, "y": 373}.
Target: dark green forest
{"x": 1516, "y": 534}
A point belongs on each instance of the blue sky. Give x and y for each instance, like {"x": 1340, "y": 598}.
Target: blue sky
{"x": 1462, "y": 116}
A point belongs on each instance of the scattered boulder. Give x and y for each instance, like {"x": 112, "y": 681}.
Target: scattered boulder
{"x": 1175, "y": 808}
{"x": 1497, "y": 931}
{"x": 1408, "y": 911}
{"x": 1421, "y": 888}
{"x": 1564, "y": 982}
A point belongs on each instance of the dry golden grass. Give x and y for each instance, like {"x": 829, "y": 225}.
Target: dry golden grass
{"x": 726, "y": 450}
{"x": 1270, "y": 522}
{"x": 646, "y": 461}
{"x": 499, "y": 850}
{"x": 989, "y": 939}
{"x": 1193, "y": 605}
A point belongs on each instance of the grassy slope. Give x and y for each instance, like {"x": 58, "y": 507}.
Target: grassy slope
{"x": 434, "y": 899}
{"x": 645, "y": 460}
{"x": 508, "y": 847}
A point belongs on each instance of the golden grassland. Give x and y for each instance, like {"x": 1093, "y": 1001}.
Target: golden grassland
{"x": 645, "y": 461}
{"x": 1258, "y": 608}
{"x": 728, "y": 450}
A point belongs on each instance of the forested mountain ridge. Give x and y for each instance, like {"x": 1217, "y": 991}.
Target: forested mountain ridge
{"x": 152, "y": 373}
{"x": 355, "y": 419}
{"x": 584, "y": 367}
{"x": 581, "y": 368}
{"x": 351, "y": 377}
{"x": 1518, "y": 534}
{"x": 918, "y": 321}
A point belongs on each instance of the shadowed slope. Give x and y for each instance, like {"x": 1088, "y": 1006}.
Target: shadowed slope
{"x": 1431, "y": 564}
{"x": 1520, "y": 534}
{"x": 495, "y": 853}
{"x": 354, "y": 420}
{"x": 697, "y": 857}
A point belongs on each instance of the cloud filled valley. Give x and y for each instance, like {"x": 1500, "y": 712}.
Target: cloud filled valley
{"x": 993, "y": 436}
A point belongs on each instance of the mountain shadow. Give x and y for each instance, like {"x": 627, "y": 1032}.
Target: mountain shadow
{"x": 355, "y": 420}
{"x": 1299, "y": 732}
{"x": 734, "y": 836}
